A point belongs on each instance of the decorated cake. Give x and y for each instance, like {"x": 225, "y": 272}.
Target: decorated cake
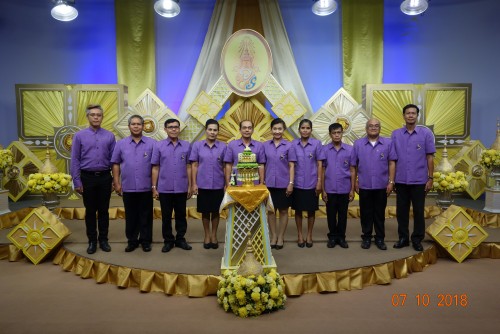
{"x": 248, "y": 168}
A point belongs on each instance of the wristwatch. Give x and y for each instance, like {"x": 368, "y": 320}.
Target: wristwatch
{"x": 391, "y": 181}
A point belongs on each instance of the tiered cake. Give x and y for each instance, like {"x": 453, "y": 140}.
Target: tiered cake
{"x": 248, "y": 168}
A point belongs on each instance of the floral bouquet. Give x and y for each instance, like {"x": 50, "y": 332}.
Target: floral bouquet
{"x": 452, "y": 181}
{"x": 490, "y": 158}
{"x": 251, "y": 295}
{"x": 6, "y": 159}
{"x": 49, "y": 183}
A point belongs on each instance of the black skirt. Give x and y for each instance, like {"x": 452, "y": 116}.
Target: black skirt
{"x": 280, "y": 201}
{"x": 209, "y": 200}
{"x": 305, "y": 200}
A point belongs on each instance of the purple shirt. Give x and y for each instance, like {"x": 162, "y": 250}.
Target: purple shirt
{"x": 338, "y": 168}
{"x": 135, "y": 163}
{"x": 210, "y": 164}
{"x": 306, "y": 158}
{"x": 412, "y": 150}
{"x": 277, "y": 170}
{"x": 91, "y": 151}
{"x": 236, "y": 146}
{"x": 173, "y": 161}
{"x": 373, "y": 162}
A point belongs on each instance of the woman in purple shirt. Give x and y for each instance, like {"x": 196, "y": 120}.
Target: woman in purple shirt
{"x": 279, "y": 180}
{"x": 307, "y": 153}
{"x": 207, "y": 169}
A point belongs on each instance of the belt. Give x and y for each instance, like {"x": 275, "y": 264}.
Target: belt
{"x": 95, "y": 173}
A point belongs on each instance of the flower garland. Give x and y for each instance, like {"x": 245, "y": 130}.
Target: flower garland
{"x": 49, "y": 183}
{"x": 452, "y": 181}
{"x": 490, "y": 158}
{"x": 6, "y": 159}
{"x": 251, "y": 295}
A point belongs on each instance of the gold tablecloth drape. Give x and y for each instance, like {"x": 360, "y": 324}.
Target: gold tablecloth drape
{"x": 249, "y": 197}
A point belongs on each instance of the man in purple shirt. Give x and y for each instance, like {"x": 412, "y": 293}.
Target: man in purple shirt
{"x": 414, "y": 168}
{"x": 374, "y": 159}
{"x": 132, "y": 161}
{"x": 171, "y": 183}
{"x": 90, "y": 168}
{"x": 237, "y": 146}
{"x": 338, "y": 185}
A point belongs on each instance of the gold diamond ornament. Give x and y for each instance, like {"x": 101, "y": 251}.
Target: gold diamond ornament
{"x": 456, "y": 232}
{"x": 204, "y": 108}
{"x": 467, "y": 161}
{"x": 38, "y": 234}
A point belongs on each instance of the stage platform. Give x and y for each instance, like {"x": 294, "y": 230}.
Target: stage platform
{"x": 196, "y": 272}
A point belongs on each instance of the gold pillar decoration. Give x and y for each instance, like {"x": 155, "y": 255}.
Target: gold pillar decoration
{"x": 456, "y": 232}
{"x": 444, "y": 197}
{"x": 38, "y": 234}
{"x": 250, "y": 265}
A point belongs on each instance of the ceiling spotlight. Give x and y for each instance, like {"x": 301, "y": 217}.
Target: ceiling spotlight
{"x": 414, "y": 7}
{"x": 63, "y": 11}
{"x": 324, "y": 7}
{"x": 167, "y": 8}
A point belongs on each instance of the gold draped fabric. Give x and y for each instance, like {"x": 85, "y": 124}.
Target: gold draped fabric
{"x": 362, "y": 44}
{"x": 135, "y": 46}
{"x": 248, "y": 197}
{"x": 42, "y": 111}
{"x": 388, "y": 108}
{"x": 106, "y": 99}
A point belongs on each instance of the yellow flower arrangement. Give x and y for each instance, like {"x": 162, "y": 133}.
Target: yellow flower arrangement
{"x": 490, "y": 158}
{"x": 452, "y": 181}
{"x": 6, "y": 159}
{"x": 251, "y": 295}
{"x": 49, "y": 183}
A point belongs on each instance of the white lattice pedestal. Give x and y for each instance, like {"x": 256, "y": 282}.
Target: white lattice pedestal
{"x": 4, "y": 202}
{"x": 492, "y": 201}
{"x": 237, "y": 224}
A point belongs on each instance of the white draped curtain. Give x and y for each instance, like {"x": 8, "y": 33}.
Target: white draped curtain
{"x": 207, "y": 70}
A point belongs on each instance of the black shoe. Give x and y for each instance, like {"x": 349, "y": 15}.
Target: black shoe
{"x": 417, "y": 246}
{"x": 366, "y": 243}
{"x": 301, "y": 244}
{"x": 273, "y": 246}
{"x": 342, "y": 243}
{"x": 146, "y": 247}
{"x": 401, "y": 243}
{"x": 130, "y": 248}
{"x": 380, "y": 244}
{"x": 214, "y": 245}
{"x": 183, "y": 244}
{"x": 167, "y": 247}
{"x": 92, "y": 247}
{"x": 207, "y": 245}
{"x": 331, "y": 243}
{"x": 309, "y": 244}
{"x": 278, "y": 247}
{"x": 104, "y": 245}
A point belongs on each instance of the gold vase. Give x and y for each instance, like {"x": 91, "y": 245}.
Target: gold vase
{"x": 50, "y": 200}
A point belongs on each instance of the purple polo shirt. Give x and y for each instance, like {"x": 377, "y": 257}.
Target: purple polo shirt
{"x": 173, "y": 161}
{"x": 135, "y": 163}
{"x": 277, "y": 170}
{"x": 306, "y": 158}
{"x": 91, "y": 151}
{"x": 412, "y": 149}
{"x": 210, "y": 164}
{"x": 236, "y": 146}
{"x": 337, "y": 168}
{"x": 373, "y": 162}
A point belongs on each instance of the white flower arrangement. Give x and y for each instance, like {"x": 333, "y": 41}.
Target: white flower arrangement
{"x": 49, "y": 183}
{"x": 452, "y": 181}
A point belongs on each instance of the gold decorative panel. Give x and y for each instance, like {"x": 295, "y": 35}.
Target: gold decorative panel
{"x": 289, "y": 108}
{"x": 456, "y": 232}
{"x": 204, "y": 108}
{"x": 467, "y": 161}
{"x": 38, "y": 234}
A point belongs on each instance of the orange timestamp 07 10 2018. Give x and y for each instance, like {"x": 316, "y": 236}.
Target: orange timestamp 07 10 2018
{"x": 426, "y": 300}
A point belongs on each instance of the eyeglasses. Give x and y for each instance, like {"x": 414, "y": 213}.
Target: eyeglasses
{"x": 374, "y": 126}
{"x": 173, "y": 127}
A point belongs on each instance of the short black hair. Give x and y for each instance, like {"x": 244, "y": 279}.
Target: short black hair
{"x": 172, "y": 120}
{"x": 335, "y": 126}
{"x": 305, "y": 120}
{"x": 211, "y": 121}
{"x": 408, "y": 106}
{"x": 278, "y": 121}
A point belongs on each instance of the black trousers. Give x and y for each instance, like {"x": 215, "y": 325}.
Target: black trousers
{"x": 372, "y": 204}
{"x": 336, "y": 215}
{"x": 177, "y": 203}
{"x": 138, "y": 217}
{"x": 413, "y": 194}
{"x": 96, "y": 196}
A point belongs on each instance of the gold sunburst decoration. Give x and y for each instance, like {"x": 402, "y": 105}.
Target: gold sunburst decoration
{"x": 154, "y": 112}
{"x": 456, "y": 232}
{"x": 203, "y": 108}
{"x": 289, "y": 109}
{"x": 15, "y": 178}
{"x": 467, "y": 161}
{"x": 340, "y": 108}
